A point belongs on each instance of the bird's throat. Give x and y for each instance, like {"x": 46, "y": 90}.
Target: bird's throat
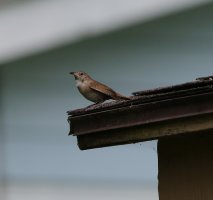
{"x": 79, "y": 83}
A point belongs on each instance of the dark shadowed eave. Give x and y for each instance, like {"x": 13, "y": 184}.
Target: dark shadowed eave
{"x": 150, "y": 114}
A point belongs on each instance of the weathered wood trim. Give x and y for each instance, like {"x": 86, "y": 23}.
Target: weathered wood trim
{"x": 146, "y": 132}
{"x": 185, "y": 167}
{"x": 152, "y": 114}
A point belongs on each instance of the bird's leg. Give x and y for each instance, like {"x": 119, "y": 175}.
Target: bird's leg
{"x": 94, "y": 105}
{"x": 90, "y": 106}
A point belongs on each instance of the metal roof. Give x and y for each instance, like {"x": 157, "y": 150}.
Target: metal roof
{"x": 150, "y": 114}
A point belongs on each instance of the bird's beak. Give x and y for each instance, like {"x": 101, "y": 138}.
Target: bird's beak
{"x": 74, "y": 74}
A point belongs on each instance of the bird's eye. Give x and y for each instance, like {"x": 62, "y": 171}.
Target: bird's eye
{"x": 81, "y": 73}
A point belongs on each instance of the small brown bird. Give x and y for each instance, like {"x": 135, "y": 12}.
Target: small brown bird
{"x": 93, "y": 90}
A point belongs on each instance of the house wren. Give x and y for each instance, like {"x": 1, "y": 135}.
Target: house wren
{"x": 93, "y": 90}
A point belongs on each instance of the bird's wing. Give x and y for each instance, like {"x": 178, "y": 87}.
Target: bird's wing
{"x": 99, "y": 87}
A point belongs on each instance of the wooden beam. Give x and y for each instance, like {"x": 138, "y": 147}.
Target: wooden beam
{"x": 146, "y": 132}
{"x": 185, "y": 167}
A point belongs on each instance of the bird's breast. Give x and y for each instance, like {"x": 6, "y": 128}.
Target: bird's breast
{"x": 82, "y": 87}
{"x": 88, "y": 93}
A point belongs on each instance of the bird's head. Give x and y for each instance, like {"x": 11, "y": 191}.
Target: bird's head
{"x": 80, "y": 76}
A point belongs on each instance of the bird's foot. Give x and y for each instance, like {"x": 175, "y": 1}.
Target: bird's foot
{"x": 90, "y": 107}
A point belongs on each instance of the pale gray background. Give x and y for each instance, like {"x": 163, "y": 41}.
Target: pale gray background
{"x": 37, "y": 91}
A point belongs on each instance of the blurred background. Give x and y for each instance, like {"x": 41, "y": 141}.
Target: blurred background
{"x": 128, "y": 45}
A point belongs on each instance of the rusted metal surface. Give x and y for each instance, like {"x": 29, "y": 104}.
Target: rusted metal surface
{"x": 146, "y": 108}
